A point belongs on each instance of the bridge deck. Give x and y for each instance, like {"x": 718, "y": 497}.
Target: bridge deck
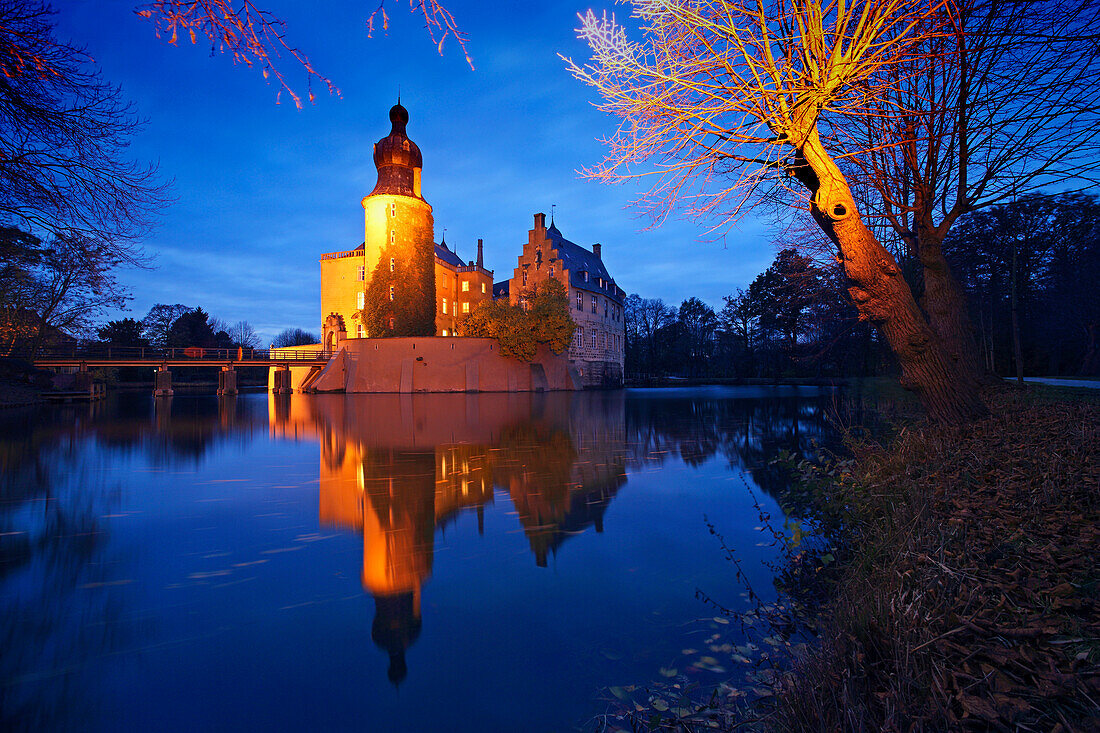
{"x": 109, "y": 356}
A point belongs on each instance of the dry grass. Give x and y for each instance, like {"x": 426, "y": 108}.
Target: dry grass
{"x": 971, "y": 600}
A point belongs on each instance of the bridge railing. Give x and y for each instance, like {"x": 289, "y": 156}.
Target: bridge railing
{"x": 197, "y": 353}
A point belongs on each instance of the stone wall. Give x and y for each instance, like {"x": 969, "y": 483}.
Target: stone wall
{"x": 437, "y": 364}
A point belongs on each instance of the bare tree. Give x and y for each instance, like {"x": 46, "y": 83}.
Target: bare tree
{"x": 722, "y": 96}
{"x": 1007, "y": 104}
{"x": 244, "y": 335}
{"x": 63, "y": 138}
{"x": 295, "y": 337}
{"x": 59, "y": 287}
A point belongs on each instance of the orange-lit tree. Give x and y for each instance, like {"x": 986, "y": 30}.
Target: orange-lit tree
{"x": 723, "y": 101}
{"x": 1009, "y": 103}
{"x": 253, "y": 36}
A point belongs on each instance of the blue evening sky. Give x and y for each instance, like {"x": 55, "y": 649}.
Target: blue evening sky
{"x": 261, "y": 190}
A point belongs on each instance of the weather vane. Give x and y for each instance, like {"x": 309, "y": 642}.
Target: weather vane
{"x": 552, "y": 207}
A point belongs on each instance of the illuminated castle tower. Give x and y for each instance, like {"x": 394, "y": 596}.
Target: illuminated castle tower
{"x": 386, "y": 286}
{"x": 399, "y": 243}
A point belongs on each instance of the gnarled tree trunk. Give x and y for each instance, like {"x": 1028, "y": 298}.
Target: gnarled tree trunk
{"x": 944, "y": 304}
{"x": 881, "y": 294}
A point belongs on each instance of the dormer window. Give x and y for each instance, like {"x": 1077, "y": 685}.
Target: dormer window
{"x": 586, "y": 275}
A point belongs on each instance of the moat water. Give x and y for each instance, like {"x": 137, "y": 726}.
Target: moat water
{"x": 383, "y": 562}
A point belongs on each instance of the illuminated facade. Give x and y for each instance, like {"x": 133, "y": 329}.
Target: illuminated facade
{"x": 595, "y": 301}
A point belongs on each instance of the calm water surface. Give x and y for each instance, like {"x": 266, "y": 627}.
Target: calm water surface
{"x": 421, "y": 563}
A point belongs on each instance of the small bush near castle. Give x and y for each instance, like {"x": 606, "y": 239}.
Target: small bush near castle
{"x": 519, "y": 331}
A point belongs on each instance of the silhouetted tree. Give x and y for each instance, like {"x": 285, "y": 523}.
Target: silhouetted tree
{"x": 63, "y": 133}
{"x": 698, "y": 324}
{"x": 193, "y": 329}
{"x": 295, "y": 337}
{"x": 126, "y": 332}
{"x": 1028, "y": 269}
{"x": 242, "y": 334}
{"x": 158, "y": 322}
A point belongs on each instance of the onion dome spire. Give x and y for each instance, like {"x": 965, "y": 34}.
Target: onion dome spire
{"x": 397, "y": 158}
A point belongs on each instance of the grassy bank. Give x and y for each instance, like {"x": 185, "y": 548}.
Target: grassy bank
{"x": 969, "y": 593}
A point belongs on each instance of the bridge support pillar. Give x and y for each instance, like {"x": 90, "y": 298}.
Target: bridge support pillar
{"x": 162, "y": 384}
{"x": 227, "y": 381}
{"x": 282, "y": 381}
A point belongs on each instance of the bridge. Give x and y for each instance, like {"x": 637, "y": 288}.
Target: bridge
{"x": 84, "y": 357}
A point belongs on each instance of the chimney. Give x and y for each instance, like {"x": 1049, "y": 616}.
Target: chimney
{"x": 597, "y": 250}
{"x": 540, "y": 221}
{"x": 480, "y": 255}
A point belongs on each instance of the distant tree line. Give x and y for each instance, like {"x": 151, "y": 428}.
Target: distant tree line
{"x": 1027, "y": 270}
{"x": 792, "y": 321}
{"x": 181, "y": 326}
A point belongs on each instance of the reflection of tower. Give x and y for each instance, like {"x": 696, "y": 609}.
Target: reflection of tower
{"x": 396, "y": 626}
{"x": 398, "y": 523}
{"x": 396, "y": 498}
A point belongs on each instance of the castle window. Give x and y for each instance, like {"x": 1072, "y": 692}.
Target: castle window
{"x": 393, "y": 236}
{"x": 359, "y": 330}
{"x": 551, "y": 271}
{"x": 444, "y": 333}
{"x": 525, "y": 278}
{"x": 594, "y": 299}
{"x": 592, "y": 339}
{"x": 393, "y": 209}
{"x": 605, "y": 309}
{"x": 465, "y": 286}
{"x": 444, "y": 306}
{"x": 578, "y": 338}
{"x": 361, "y": 273}
{"x": 483, "y": 287}
{"x": 580, "y": 301}
{"x": 393, "y": 323}
{"x": 360, "y": 300}
{"x": 391, "y": 292}
{"x": 465, "y": 307}
{"x": 393, "y": 264}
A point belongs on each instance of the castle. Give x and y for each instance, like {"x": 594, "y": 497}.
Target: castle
{"x": 400, "y": 284}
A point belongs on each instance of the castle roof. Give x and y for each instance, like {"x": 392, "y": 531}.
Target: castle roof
{"x": 396, "y": 156}
{"x": 446, "y": 255}
{"x": 501, "y": 289}
{"x": 577, "y": 260}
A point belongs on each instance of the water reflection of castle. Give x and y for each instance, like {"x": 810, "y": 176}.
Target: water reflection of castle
{"x": 397, "y": 467}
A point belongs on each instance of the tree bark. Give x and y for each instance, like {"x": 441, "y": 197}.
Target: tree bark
{"x": 944, "y": 304}
{"x": 881, "y": 294}
{"x": 1016, "y": 351}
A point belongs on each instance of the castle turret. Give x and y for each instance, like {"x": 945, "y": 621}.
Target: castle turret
{"x": 398, "y": 158}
